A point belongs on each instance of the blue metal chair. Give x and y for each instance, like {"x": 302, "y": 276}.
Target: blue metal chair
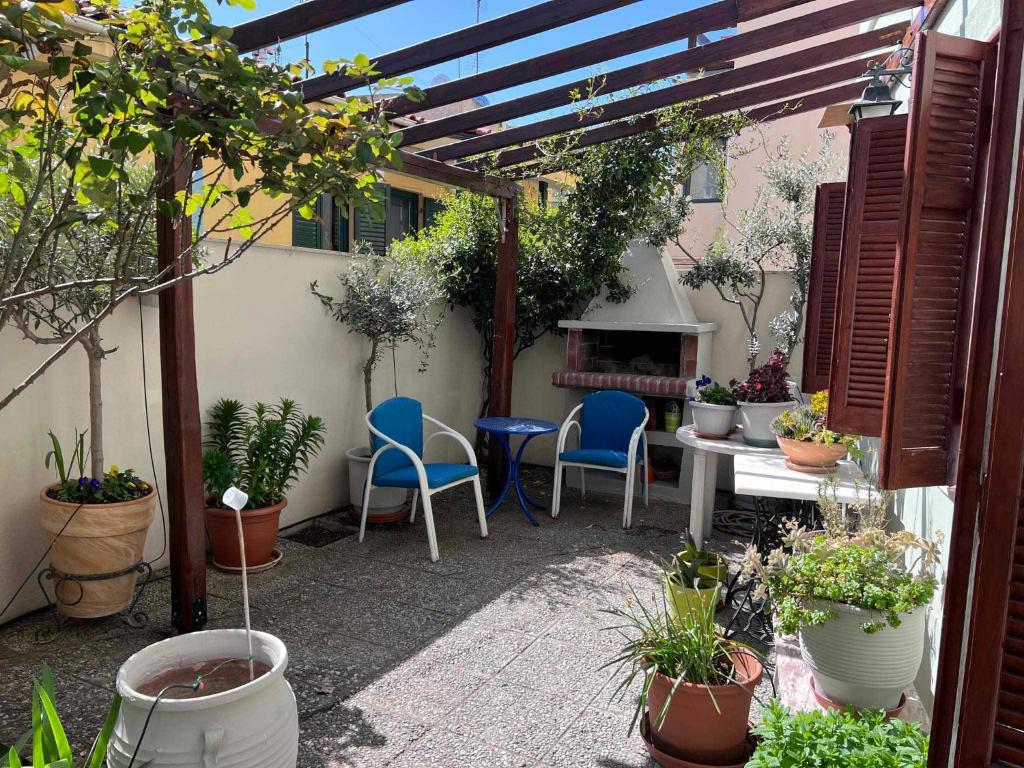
{"x": 611, "y": 430}
{"x": 396, "y": 429}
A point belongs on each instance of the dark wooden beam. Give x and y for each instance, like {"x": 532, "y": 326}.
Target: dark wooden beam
{"x": 302, "y": 19}
{"x": 183, "y": 450}
{"x": 788, "y": 89}
{"x": 486, "y": 34}
{"x": 503, "y": 339}
{"x": 718, "y": 15}
{"x": 696, "y": 88}
{"x": 453, "y": 175}
{"x": 755, "y": 41}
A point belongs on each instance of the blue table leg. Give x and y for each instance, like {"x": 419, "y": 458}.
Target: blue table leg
{"x": 520, "y": 491}
{"x": 509, "y": 464}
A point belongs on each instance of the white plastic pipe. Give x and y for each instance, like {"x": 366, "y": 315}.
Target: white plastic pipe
{"x": 236, "y": 498}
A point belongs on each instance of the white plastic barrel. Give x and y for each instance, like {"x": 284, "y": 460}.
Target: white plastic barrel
{"x": 253, "y": 726}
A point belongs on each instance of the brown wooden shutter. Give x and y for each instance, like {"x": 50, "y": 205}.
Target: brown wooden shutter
{"x": 950, "y": 122}
{"x": 874, "y": 190}
{"x": 823, "y": 284}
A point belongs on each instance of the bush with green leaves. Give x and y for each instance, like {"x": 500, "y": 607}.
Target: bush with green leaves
{"x": 47, "y": 743}
{"x": 262, "y": 449}
{"x": 831, "y": 739}
{"x": 387, "y": 299}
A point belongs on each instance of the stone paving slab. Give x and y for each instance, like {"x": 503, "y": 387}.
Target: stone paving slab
{"x": 491, "y": 657}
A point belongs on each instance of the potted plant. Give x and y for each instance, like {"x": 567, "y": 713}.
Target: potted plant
{"x": 693, "y": 580}
{"x": 96, "y": 525}
{"x": 808, "y": 444}
{"x": 388, "y": 300}
{"x": 857, "y": 596}
{"x": 262, "y": 449}
{"x": 697, "y": 683}
{"x": 673, "y": 416}
{"x": 762, "y": 396}
{"x": 714, "y": 409}
{"x": 836, "y": 737}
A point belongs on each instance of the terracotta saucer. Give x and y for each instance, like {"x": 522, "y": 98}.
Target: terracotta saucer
{"x": 810, "y": 470}
{"x": 826, "y": 703}
{"x": 666, "y": 760}
{"x": 275, "y": 558}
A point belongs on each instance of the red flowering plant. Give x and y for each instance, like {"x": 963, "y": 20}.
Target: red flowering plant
{"x": 766, "y": 384}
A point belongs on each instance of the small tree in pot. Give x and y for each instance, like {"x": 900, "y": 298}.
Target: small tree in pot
{"x": 262, "y": 449}
{"x": 857, "y": 595}
{"x": 388, "y": 300}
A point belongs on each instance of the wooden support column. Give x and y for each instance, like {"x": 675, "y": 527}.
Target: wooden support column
{"x": 183, "y": 488}
{"x": 504, "y": 332}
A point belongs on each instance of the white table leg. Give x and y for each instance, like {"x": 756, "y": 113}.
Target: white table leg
{"x": 710, "y": 484}
{"x": 697, "y": 491}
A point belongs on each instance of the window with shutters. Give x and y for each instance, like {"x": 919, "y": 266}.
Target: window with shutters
{"x": 431, "y": 209}
{"x": 396, "y": 217}
{"x": 950, "y": 118}
{"x": 871, "y": 224}
{"x": 823, "y": 284}
{"x": 327, "y": 230}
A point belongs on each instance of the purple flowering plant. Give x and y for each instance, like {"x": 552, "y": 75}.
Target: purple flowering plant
{"x": 116, "y": 486}
{"x": 767, "y": 383}
{"x": 712, "y": 393}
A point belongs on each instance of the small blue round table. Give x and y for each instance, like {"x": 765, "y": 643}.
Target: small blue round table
{"x": 502, "y": 428}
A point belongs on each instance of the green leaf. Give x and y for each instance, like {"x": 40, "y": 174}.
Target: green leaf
{"x": 56, "y": 729}
{"x": 98, "y": 753}
{"x": 13, "y": 761}
{"x": 101, "y": 166}
{"x": 163, "y": 143}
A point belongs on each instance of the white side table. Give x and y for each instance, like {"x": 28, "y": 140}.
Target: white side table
{"x": 705, "y": 473}
{"x": 768, "y": 475}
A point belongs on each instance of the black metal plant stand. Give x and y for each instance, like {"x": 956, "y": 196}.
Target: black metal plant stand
{"x": 134, "y": 618}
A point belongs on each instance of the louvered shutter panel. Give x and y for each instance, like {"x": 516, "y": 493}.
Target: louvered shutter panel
{"x": 1008, "y": 735}
{"x": 949, "y": 125}
{"x": 308, "y": 233}
{"x": 874, "y": 190}
{"x": 372, "y": 223}
{"x": 339, "y": 226}
{"x": 823, "y": 284}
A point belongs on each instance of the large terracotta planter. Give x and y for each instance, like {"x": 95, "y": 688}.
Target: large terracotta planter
{"x": 756, "y": 420}
{"x": 711, "y": 420}
{"x": 815, "y": 458}
{"x": 259, "y": 527}
{"x": 705, "y": 724}
{"x": 861, "y": 670}
{"x": 102, "y": 538}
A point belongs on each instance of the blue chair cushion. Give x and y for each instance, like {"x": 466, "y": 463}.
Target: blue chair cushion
{"x": 597, "y": 456}
{"x": 401, "y": 419}
{"x": 609, "y": 419}
{"x": 437, "y": 475}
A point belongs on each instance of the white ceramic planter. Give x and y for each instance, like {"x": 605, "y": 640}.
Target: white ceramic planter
{"x": 756, "y": 420}
{"x": 713, "y": 420}
{"x": 384, "y": 502}
{"x": 253, "y": 726}
{"x": 859, "y": 669}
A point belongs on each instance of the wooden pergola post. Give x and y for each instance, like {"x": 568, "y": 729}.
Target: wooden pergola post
{"x": 183, "y": 489}
{"x": 502, "y": 347}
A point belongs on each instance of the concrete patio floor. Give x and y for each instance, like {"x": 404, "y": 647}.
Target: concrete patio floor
{"x": 490, "y": 657}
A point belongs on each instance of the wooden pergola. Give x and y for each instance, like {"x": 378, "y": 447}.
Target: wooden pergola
{"x": 777, "y": 85}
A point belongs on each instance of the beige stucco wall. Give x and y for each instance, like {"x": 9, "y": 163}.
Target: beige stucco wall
{"x": 260, "y": 335}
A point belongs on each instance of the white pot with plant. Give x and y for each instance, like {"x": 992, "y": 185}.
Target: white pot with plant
{"x": 762, "y": 397}
{"x": 857, "y": 596}
{"x": 714, "y": 409}
{"x": 387, "y": 300}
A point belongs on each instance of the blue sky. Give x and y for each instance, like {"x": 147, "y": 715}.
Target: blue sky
{"x": 419, "y": 20}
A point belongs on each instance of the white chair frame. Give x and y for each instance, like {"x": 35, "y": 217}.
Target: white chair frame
{"x": 424, "y": 489}
{"x": 639, "y": 436}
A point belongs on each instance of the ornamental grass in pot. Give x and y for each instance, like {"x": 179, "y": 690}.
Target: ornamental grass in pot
{"x": 714, "y": 409}
{"x": 262, "y": 449}
{"x": 857, "y": 596}
{"x": 96, "y": 525}
{"x": 808, "y": 444}
{"x": 762, "y": 396}
{"x": 697, "y": 684}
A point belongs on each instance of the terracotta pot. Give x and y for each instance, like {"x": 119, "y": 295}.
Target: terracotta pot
{"x": 816, "y": 458}
{"x": 102, "y": 538}
{"x": 259, "y": 526}
{"x": 695, "y": 728}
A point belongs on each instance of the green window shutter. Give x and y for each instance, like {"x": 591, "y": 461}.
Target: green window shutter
{"x": 371, "y": 225}
{"x": 339, "y": 223}
{"x": 307, "y": 233}
{"x": 403, "y": 214}
{"x": 431, "y": 209}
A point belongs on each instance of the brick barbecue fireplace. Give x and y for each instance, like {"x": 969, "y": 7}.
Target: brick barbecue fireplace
{"x": 652, "y": 345}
